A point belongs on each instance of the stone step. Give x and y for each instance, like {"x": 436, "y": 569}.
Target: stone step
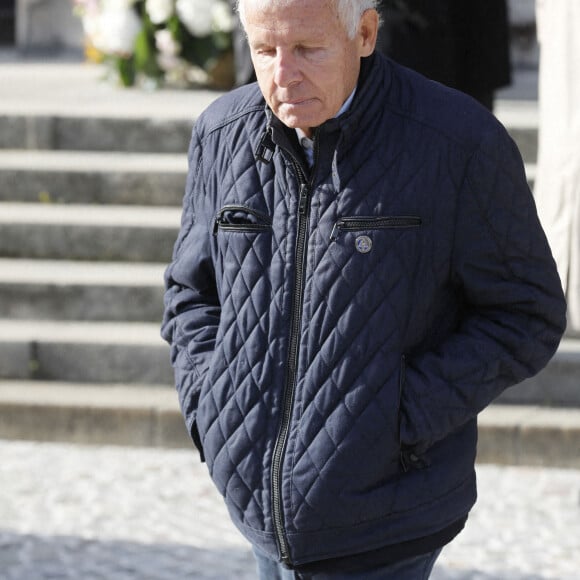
{"x": 64, "y": 290}
{"x": 69, "y": 133}
{"x": 529, "y": 435}
{"x": 54, "y": 92}
{"x": 97, "y": 352}
{"x": 62, "y": 106}
{"x": 171, "y": 136}
{"x": 105, "y": 414}
{"x": 557, "y": 385}
{"x": 145, "y": 415}
{"x": 92, "y": 177}
{"x": 97, "y": 178}
{"x": 134, "y": 353}
{"x": 88, "y": 232}
{"x": 521, "y": 119}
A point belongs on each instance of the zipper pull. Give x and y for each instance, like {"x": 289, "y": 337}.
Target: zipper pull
{"x": 217, "y": 221}
{"x": 303, "y": 201}
{"x": 410, "y": 460}
{"x": 335, "y": 231}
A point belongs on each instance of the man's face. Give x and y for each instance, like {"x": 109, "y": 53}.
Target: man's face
{"x": 305, "y": 63}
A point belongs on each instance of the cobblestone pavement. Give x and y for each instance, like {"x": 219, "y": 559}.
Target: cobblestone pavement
{"x": 91, "y": 513}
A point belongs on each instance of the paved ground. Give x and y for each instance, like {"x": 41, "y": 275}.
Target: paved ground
{"x": 91, "y": 513}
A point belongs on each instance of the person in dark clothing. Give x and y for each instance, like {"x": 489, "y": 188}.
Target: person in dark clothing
{"x": 463, "y": 44}
{"x": 360, "y": 271}
{"x": 243, "y": 67}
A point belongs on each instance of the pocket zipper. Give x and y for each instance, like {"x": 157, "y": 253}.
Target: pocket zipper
{"x": 353, "y": 224}
{"x": 265, "y": 222}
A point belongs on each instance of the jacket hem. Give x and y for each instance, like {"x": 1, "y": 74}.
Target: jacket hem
{"x": 393, "y": 528}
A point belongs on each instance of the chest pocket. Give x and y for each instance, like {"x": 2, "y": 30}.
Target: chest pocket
{"x": 375, "y": 255}
{"x": 370, "y": 235}
{"x": 370, "y": 224}
{"x": 244, "y": 244}
{"x": 240, "y": 219}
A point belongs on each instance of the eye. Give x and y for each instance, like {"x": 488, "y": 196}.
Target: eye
{"x": 265, "y": 51}
{"x": 309, "y": 51}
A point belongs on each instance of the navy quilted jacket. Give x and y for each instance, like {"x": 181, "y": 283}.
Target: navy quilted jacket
{"x": 335, "y": 334}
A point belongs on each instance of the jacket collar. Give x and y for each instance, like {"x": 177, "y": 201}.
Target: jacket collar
{"x": 374, "y": 79}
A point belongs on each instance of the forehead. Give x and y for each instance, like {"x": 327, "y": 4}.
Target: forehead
{"x": 265, "y": 5}
{"x": 290, "y": 17}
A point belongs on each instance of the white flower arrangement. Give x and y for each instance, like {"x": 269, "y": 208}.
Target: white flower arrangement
{"x": 181, "y": 42}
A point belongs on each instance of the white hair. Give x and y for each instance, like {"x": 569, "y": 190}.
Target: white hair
{"x": 349, "y": 11}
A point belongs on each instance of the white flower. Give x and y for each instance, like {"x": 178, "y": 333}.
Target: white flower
{"x": 202, "y": 17}
{"x": 196, "y": 75}
{"x": 166, "y": 44}
{"x": 159, "y": 10}
{"x": 114, "y": 30}
{"x": 113, "y": 5}
{"x": 196, "y": 15}
{"x": 168, "y": 62}
{"x": 223, "y": 19}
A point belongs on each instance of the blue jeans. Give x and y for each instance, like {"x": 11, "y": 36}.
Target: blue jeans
{"x": 418, "y": 568}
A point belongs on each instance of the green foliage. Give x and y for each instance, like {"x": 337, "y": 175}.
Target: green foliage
{"x": 126, "y": 68}
{"x": 145, "y": 54}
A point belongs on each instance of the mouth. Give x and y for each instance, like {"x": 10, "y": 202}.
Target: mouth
{"x": 296, "y": 104}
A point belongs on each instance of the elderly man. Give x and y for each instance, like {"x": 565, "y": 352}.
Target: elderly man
{"x": 359, "y": 272}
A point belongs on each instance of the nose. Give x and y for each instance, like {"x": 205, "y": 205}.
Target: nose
{"x": 287, "y": 70}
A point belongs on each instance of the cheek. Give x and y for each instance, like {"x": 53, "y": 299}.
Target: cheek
{"x": 265, "y": 82}
{"x": 330, "y": 87}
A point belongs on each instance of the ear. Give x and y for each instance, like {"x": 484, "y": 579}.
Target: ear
{"x": 367, "y": 32}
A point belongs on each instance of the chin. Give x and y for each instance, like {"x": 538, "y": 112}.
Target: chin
{"x": 296, "y": 119}
{"x": 296, "y": 123}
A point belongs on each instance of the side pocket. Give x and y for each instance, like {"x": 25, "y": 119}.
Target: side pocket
{"x": 410, "y": 459}
{"x": 399, "y": 402}
{"x": 197, "y": 441}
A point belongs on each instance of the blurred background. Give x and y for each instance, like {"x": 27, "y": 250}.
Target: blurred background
{"x": 98, "y": 478}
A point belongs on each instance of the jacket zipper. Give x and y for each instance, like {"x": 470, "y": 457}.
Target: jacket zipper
{"x": 292, "y": 362}
{"x": 352, "y": 224}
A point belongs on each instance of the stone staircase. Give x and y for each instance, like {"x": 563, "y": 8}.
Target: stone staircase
{"x": 90, "y": 203}
{"x": 89, "y": 210}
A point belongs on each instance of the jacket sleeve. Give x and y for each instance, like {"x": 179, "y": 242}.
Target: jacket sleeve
{"x": 192, "y": 309}
{"x": 514, "y": 311}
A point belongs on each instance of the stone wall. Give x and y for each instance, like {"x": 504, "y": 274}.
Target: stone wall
{"x": 47, "y": 24}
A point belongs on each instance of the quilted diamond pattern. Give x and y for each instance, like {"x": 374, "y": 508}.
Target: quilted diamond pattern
{"x": 399, "y": 347}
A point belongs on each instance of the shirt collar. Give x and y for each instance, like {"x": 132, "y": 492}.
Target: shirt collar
{"x": 347, "y": 103}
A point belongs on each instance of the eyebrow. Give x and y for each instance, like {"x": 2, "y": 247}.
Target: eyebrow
{"x": 258, "y": 45}
{"x": 300, "y": 44}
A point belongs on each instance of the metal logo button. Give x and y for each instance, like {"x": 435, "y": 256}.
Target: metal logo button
{"x": 363, "y": 244}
